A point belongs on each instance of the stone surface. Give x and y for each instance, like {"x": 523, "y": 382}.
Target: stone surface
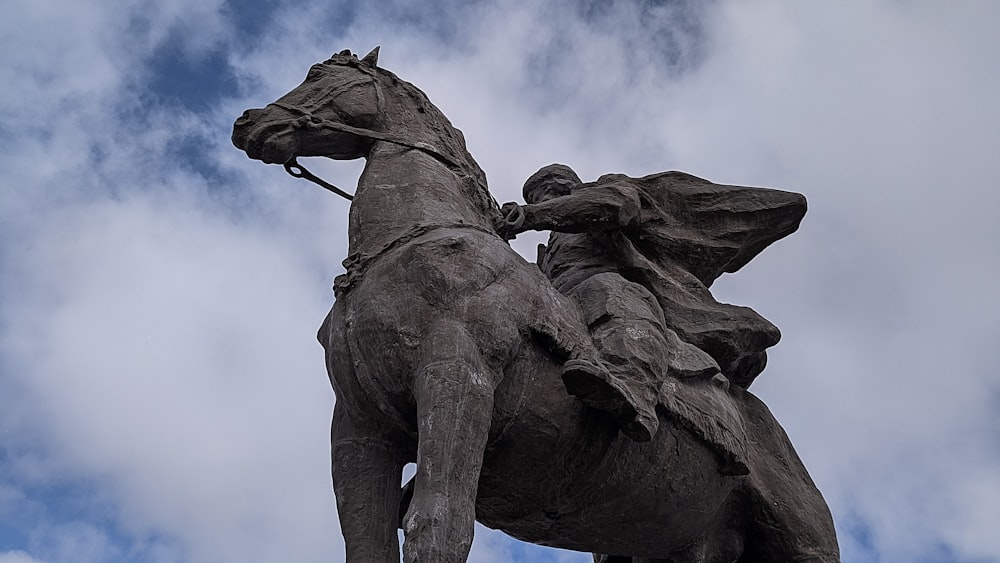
{"x": 595, "y": 401}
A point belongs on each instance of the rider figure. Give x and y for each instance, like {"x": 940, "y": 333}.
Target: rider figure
{"x": 638, "y": 257}
{"x": 623, "y": 317}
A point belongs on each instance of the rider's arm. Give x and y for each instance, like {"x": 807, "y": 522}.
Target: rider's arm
{"x": 592, "y": 208}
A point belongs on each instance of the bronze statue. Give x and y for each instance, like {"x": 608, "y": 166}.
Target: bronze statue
{"x": 448, "y": 349}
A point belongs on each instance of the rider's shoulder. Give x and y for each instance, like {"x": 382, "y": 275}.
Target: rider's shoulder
{"x": 669, "y": 180}
{"x": 616, "y": 183}
{"x": 671, "y": 177}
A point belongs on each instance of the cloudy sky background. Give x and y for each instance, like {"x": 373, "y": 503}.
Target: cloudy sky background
{"x": 162, "y": 397}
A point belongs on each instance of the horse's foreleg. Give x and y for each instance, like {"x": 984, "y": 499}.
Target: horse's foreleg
{"x": 366, "y": 474}
{"x": 454, "y": 393}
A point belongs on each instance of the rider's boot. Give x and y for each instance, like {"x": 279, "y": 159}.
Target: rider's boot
{"x": 596, "y": 387}
{"x": 642, "y": 427}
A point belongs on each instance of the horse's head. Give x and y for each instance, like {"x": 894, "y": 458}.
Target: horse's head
{"x": 342, "y": 90}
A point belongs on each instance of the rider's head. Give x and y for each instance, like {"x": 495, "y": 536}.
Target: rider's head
{"x": 551, "y": 181}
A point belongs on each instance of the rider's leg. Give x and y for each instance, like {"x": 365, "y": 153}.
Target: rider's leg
{"x": 627, "y": 332}
{"x": 627, "y": 327}
{"x": 585, "y": 374}
{"x": 366, "y": 475}
{"x": 454, "y": 393}
{"x": 631, "y": 317}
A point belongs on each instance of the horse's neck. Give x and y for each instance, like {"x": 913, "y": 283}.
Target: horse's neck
{"x": 403, "y": 192}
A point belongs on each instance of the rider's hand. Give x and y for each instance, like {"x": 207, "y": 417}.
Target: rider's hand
{"x": 513, "y": 219}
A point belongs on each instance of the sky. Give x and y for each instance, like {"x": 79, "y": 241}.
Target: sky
{"x": 162, "y": 395}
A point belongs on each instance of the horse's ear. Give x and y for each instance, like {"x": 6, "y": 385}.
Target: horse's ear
{"x": 371, "y": 59}
{"x": 345, "y": 53}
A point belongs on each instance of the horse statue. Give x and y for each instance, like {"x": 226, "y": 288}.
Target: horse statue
{"x": 440, "y": 347}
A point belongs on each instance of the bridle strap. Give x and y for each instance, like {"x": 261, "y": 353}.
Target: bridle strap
{"x": 308, "y": 120}
{"x": 368, "y": 134}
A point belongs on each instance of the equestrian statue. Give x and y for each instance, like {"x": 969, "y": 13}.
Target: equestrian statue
{"x": 594, "y": 401}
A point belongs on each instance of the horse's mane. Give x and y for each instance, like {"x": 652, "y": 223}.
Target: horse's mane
{"x": 435, "y": 126}
{"x": 449, "y": 140}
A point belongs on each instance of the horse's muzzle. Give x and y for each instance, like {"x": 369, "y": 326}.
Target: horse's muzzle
{"x": 243, "y": 126}
{"x": 264, "y": 138}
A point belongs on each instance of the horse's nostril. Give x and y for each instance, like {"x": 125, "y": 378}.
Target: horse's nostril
{"x": 249, "y": 116}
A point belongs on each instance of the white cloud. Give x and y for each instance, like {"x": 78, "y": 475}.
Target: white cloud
{"x": 155, "y": 375}
{"x": 17, "y": 556}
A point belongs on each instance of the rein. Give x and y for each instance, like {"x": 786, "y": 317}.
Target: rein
{"x": 296, "y": 170}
